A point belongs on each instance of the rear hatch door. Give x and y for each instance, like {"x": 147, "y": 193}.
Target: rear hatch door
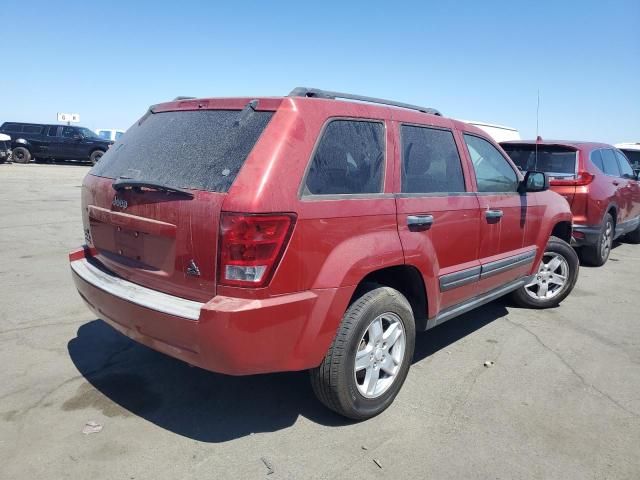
{"x": 159, "y": 226}
{"x": 559, "y": 162}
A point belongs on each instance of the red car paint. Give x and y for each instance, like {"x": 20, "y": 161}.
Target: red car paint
{"x": 335, "y": 242}
{"x": 591, "y": 192}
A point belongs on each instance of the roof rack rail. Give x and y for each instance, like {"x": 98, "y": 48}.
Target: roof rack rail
{"x": 318, "y": 93}
{"x": 182, "y": 98}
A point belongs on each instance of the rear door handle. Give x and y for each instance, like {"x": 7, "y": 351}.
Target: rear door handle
{"x": 493, "y": 214}
{"x": 419, "y": 223}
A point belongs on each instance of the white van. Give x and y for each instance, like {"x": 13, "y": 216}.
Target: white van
{"x": 500, "y": 133}
{"x": 110, "y": 133}
{"x": 632, "y": 151}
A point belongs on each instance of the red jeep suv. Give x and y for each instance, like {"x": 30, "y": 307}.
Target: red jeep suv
{"x": 599, "y": 183}
{"x": 249, "y": 235}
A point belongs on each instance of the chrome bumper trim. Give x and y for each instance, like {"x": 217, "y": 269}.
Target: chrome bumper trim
{"x": 134, "y": 293}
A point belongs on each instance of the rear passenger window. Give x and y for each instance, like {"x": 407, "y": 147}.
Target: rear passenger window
{"x": 13, "y": 127}
{"x": 430, "y": 161}
{"x": 348, "y": 160}
{"x": 32, "y": 129}
{"x": 493, "y": 172}
{"x": 596, "y": 158}
{"x": 610, "y": 163}
{"x": 53, "y": 131}
{"x": 625, "y": 168}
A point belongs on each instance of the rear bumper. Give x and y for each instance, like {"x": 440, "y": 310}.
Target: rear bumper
{"x": 236, "y": 336}
{"x": 585, "y": 236}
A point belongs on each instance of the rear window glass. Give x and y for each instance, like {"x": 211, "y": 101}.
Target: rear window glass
{"x": 349, "y": 159}
{"x": 549, "y": 159}
{"x": 201, "y": 150}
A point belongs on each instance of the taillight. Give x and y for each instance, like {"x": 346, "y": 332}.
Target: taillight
{"x": 581, "y": 179}
{"x": 251, "y": 247}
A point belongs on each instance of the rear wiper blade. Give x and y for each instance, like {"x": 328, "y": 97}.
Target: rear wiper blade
{"x": 123, "y": 183}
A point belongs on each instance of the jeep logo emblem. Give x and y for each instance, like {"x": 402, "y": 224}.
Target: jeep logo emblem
{"x": 120, "y": 203}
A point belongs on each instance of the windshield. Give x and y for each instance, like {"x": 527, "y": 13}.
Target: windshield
{"x": 551, "y": 159}
{"x": 202, "y": 149}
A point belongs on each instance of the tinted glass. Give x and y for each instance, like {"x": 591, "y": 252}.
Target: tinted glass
{"x": 493, "y": 172}
{"x": 105, "y": 134}
{"x": 349, "y": 159}
{"x": 546, "y": 158}
{"x": 596, "y": 158}
{"x": 12, "y": 127}
{"x": 609, "y": 163}
{"x": 634, "y": 157}
{"x": 625, "y": 168}
{"x": 69, "y": 132}
{"x": 201, "y": 150}
{"x": 118, "y": 135}
{"x": 52, "y": 131}
{"x": 32, "y": 129}
{"x": 430, "y": 161}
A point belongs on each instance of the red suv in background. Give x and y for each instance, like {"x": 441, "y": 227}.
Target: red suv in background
{"x": 599, "y": 183}
{"x": 260, "y": 235}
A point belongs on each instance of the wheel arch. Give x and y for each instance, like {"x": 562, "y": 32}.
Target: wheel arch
{"x": 562, "y": 230}
{"x": 408, "y": 280}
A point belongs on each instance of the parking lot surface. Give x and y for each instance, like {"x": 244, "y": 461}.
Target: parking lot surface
{"x": 562, "y": 399}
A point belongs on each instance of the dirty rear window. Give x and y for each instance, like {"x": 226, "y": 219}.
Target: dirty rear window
{"x": 200, "y": 150}
{"x": 551, "y": 159}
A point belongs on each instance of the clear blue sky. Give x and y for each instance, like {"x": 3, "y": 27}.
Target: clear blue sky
{"x": 110, "y": 60}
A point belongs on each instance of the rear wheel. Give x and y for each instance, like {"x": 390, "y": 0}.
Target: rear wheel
{"x": 370, "y": 356}
{"x": 556, "y": 276}
{"x": 21, "y": 155}
{"x": 598, "y": 254}
{"x": 96, "y": 156}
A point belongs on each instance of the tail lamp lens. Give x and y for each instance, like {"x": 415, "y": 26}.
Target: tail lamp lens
{"x": 581, "y": 179}
{"x": 251, "y": 247}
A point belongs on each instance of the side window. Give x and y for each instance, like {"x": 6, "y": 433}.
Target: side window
{"x": 493, "y": 172}
{"x": 348, "y": 160}
{"x": 32, "y": 129}
{"x": 625, "y": 168}
{"x": 609, "y": 163}
{"x": 13, "y": 127}
{"x": 53, "y": 131}
{"x": 430, "y": 161}
{"x": 68, "y": 132}
{"x": 596, "y": 158}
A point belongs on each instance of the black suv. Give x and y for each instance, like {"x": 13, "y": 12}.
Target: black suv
{"x": 60, "y": 142}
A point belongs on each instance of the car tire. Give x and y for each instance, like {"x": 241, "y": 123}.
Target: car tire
{"x": 95, "y": 156}
{"x": 597, "y": 255}
{"x": 20, "y": 155}
{"x": 556, "y": 276}
{"x": 384, "y": 352}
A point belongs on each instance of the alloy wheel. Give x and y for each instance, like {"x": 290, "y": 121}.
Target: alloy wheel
{"x": 551, "y": 277}
{"x": 380, "y": 354}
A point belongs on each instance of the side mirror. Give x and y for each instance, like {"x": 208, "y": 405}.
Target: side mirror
{"x": 534, "y": 182}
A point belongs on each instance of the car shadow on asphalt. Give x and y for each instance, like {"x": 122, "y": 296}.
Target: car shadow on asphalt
{"x": 134, "y": 380}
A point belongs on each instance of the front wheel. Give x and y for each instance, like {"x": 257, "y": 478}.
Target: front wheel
{"x": 556, "y": 276}
{"x": 370, "y": 356}
{"x": 96, "y": 156}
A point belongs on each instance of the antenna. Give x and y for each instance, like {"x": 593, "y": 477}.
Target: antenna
{"x": 535, "y": 165}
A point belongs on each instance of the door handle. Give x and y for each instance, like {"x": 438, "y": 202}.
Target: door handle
{"x": 493, "y": 214}
{"x": 419, "y": 223}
